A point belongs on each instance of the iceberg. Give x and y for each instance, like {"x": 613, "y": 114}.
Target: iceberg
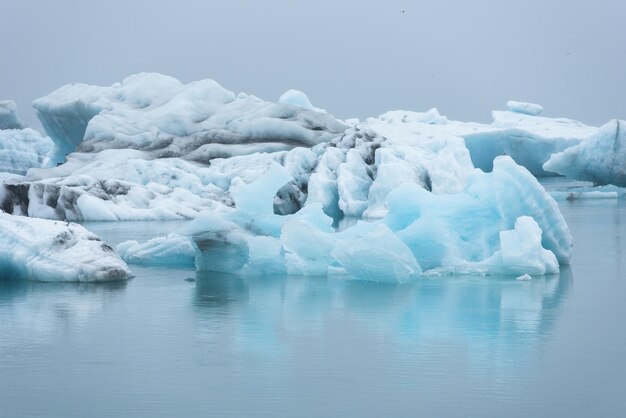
{"x": 156, "y": 113}
{"x": 172, "y": 250}
{"x": 21, "y": 148}
{"x": 287, "y": 188}
{"x": 54, "y": 251}
{"x": 152, "y": 148}
{"x": 601, "y": 159}
{"x": 485, "y": 228}
{"x": 532, "y": 109}
{"x": 9, "y": 119}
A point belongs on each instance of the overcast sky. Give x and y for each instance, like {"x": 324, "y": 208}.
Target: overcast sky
{"x": 354, "y": 58}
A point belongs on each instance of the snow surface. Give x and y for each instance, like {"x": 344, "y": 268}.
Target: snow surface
{"x": 601, "y": 159}
{"x": 53, "y": 251}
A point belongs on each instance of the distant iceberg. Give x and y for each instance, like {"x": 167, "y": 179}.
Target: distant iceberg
{"x": 21, "y": 148}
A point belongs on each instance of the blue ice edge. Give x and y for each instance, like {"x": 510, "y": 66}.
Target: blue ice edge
{"x": 502, "y": 223}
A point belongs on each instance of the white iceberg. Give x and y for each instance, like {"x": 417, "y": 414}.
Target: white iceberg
{"x": 9, "y": 119}
{"x": 526, "y": 108}
{"x": 601, "y": 159}
{"x": 55, "y": 251}
{"x": 172, "y": 250}
{"x": 154, "y": 148}
{"x": 21, "y": 148}
{"x": 156, "y": 113}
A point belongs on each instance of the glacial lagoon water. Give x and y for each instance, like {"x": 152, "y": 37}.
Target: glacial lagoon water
{"x": 170, "y": 343}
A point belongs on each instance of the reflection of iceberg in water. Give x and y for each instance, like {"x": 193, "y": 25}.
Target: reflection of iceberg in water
{"x": 38, "y": 310}
{"x": 489, "y": 320}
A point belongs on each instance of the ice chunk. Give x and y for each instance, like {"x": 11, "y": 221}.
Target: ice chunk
{"x": 447, "y": 230}
{"x": 172, "y": 250}
{"x": 525, "y": 108}
{"x": 257, "y": 197}
{"x": 297, "y": 98}
{"x": 377, "y": 256}
{"x": 524, "y": 277}
{"x": 521, "y": 251}
{"x": 43, "y": 250}
{"x": 223, "y": 245}
{"x": 22, "y": 149}
{"x": 600, "y": 159}
{"x": 9, "y": 119}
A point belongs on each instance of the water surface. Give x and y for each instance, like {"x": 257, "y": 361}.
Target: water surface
{"x": 163, "y": 345}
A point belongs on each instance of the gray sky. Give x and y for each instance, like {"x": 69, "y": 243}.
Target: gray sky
{"x": 354, "y": 58}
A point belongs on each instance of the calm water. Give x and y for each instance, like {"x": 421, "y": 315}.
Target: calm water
{"x": 161, "y": 346}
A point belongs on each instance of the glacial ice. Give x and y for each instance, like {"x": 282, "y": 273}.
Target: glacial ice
{"x": 157, "y": 113}
{"x": 600, "y": 159}
{"x": 287, "y": 188}
{"x": 172, "y": 250}
{"x": 21, "y": 148}
{"x": 153, "y": 148}
{"x": 9, "y": 119}
{"x": 525, "y": 108}
{"x": 44, "y": 250}
{"x": 485, "y": 228}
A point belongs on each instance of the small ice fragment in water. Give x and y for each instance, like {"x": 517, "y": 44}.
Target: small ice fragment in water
{"x": 524, "y": 277}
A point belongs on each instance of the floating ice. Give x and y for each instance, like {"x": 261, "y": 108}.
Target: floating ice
{"x": 487, "y": 226}
{"x": 525, "y": 108}
{"x": 173, "y": 250}
{"x": 600, "y": 159}
{"x": 43, "y": 250}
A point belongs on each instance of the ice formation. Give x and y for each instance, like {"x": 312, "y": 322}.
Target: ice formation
{"x": 156, "y": 113}
{"x": 172, "y": 250}
{"x": 287, "y": 188}
{"x": 485, "y": 228}
{"x": 21, "y": 148}
{"x": 44, "y": 250}
{"x": 601, "y": 159}
{"x": 153, "y": 148}
{"x": 9, "y": 119}
{"x": 525, "y": 108}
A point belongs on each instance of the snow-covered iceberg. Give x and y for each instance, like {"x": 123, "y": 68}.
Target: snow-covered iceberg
{"x": 44, "y": 250}
{"x": 600, "y": 159}
{"x": 151, "y": 147}
{"x": 21, "y": 148}
{"x": 158, "y": 114}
